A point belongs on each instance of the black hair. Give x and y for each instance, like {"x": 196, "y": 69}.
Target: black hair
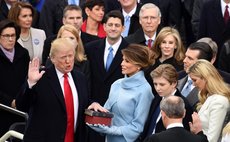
{"x": 114, "y": 14}
{"x": 205, "y": 51}
{"x": 10, "y": 24}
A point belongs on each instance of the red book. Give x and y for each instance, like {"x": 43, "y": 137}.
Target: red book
{"x": 96, "y": 117}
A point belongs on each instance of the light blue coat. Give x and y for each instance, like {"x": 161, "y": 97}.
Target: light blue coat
{"x": 129, "y": 100}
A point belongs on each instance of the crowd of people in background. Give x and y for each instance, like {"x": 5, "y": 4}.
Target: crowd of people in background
{"x": 160, "y": 66}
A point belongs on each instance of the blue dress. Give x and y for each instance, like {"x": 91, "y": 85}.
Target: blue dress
{"x": 129, "y": 100}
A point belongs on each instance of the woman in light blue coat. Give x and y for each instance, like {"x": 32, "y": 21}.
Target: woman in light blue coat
{"x": 129, "y": 99}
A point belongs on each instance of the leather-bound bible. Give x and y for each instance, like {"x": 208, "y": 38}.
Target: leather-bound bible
{"x": 96, "y": 117}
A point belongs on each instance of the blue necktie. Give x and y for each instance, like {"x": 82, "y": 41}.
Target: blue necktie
{"x": 186, "y": 90}
{"x": 153, "y": 121}
{"x": 109, "y": 58}
{"x": 76, "y": 2}
{"x": 127, "y": 25}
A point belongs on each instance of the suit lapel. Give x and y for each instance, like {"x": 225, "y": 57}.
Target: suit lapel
{"x": 193, "y": 97}
{"x": 181, "y": 83}
{"x": 117, "y": 59}
{"x": 79, "y": 92}
{"x": 100, "y": 57}
{"x": 54, "y": 82}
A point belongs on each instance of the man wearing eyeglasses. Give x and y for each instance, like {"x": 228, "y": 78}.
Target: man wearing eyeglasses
{"x": 14, "y": 61}
{"x": 150, "y": 19}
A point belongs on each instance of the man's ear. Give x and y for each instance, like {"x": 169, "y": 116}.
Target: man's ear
{"x": 163, "y": 114}
{"x": 184, "y": 113}
{"x": 52, "y": 59}
{"x": 87, "y": 10}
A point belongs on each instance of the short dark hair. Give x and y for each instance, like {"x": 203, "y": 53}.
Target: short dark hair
{"x": 91, "y": 3}
{"x": 114, "y": 14}
{"x": 205, "y": 51}
{"x": 71, "y": 7}
{"x": 10, "y": 24}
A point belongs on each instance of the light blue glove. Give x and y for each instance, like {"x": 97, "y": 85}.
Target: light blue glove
{"x": 112, "y": 130}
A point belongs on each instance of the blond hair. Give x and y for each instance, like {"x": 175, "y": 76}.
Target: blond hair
{"x": 214, "y": 82}
{"x": 226, "y": 129}
{"x": 60, "y": 43}
{"x": 80, "y": 52}
{"x": 179, "y": 53}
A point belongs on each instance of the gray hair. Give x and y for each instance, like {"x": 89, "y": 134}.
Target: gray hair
{"x": 149, "y": 6}
{"x": 211, "y": 43}
{"x": 173, "y": 106}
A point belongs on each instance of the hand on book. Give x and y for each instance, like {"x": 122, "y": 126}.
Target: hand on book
{"x": 112, "y": 130}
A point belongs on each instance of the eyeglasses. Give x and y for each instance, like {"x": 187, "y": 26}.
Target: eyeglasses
{"x": 151, "y": 18}
{"x": 7, "y": 36}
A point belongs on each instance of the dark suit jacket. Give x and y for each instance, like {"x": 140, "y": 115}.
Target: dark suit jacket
{"x": 102, "y": 80}
{"x": 13, "y": 75}
{"x": 134, "y": 21}
{"x": 3, "y": 10}
{"x": 212, "y": 24}
{"x": 51, "y": 16}
{"x": 159, "y": 126}
{"x": 137, "y": 37}
{"x": 177, "y": 134}
{"x": 46, "y": 106}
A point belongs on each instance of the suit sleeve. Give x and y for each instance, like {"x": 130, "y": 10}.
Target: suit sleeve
{"x": 196, "y": 16}
{"x": 202, "y": 25}
{"x": 218, "y": 110}
{"x": 224, "y": 57}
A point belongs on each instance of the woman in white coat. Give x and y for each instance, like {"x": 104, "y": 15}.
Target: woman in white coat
{"x": 214, "y": 98}
{"x": 32, "y": 39}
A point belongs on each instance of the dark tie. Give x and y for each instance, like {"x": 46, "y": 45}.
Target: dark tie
{"x": 150, "y": 43}
{"x": 153, "y": 120}
{"x": 226, "y": 15}
{"x": 69, "y": 136}
{"x": 109, "y": 58}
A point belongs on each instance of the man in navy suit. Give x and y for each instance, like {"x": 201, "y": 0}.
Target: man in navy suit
{"x": 173, "y": 111}
{"x": 44, "y": 97}
{"x": 97, "y": 53}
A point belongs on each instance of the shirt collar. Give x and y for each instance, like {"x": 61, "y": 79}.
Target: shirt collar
{"x": 174, "y": 125}
{"x": 9, "y": 55}
{"x": 130, "y": 13}
{"x": 153, "y": 37}
{"x": 114, "y": 46}
{"x": 60, "y": 74}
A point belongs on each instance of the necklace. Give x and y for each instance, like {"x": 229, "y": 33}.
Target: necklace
{"x": 26, "y": 38}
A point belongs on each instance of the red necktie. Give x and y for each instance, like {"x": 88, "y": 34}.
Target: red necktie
{"x": 226, "y": 14}
{"x": 150, "y": 43}
{"x": 69, "y": 136}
